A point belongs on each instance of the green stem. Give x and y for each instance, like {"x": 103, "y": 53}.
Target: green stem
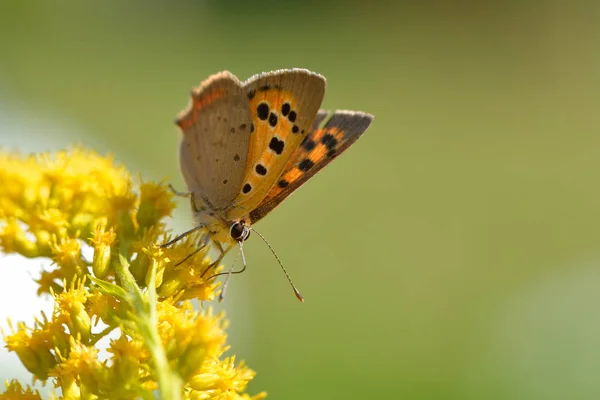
{"x": 170, "y": 383}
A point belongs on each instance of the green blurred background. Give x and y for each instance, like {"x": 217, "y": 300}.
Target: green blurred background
{"x": 452, "y": 253}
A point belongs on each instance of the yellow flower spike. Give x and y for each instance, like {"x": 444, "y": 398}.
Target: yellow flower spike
{"x": 21, "y": 179}
{"x": 146, "y": 249}
{"x": 33, "y": 349}
{"x": 140, "y": 266}
{"x": 60, "y": 338}
{"x": 44, "y": 240}
{"x": 156, "y": 202}
{"x": 128, "y": 359}
{"x": 203, "y": 292}
{"x": 222, "y": 377}
{"x": 159, "y": 260}
{"x": 178, "y": 278}
{"x": 190, "y": 337}
{"x": 49, "y": 282}
{"x": 49, "y": 222}
{"x": 14, "y": 391}
{"x": 104, "y": 308}
{"x": 52, "y": 206}
{"x": 67, "y": 255}
{"x": 189, "y": 278}
{"x": 120, "y": 214}
{"x": 187, "y": 282}
{"x": 14, "y": 240}
{"x": 82, "y": 224}
{"x": 81, "y": 370}
{"x": 70, "y": 303}
{"x": 170, "y": 287}
{"x": 102, "y": 240}
{"x": 53, "y": 332}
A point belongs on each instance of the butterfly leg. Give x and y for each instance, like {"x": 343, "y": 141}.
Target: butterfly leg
{"x": 186, "y": 194}
{"x": 192, "y": 254}
{"x": 215, "y": 264}
{"x": 184, "y": 234}
{"x": 178, "y": 193}
{"x": 231, "y": 271}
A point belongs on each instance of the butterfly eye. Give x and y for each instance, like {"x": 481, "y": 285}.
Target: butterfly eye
{"x": 239, "y": 231}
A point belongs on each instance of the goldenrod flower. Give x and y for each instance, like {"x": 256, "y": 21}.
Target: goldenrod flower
{"x": 156, "y": 202}
{"x": 33, "y": 348}
{"x": 102, "y": 240}
{"x": 107, "y": 274}
{"x": 14, "y": 391}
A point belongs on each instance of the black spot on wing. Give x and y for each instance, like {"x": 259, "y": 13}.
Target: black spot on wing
{"x": 273, "y": 120}
{"x": 308, "y": 144}
{"x": 305, "y": 165}
{"x": 276, "y": 145}
{"x": 262, "y": 110}
{"x": 247, "y": 188}
{"x": 329, "y": 141}
{"x": 260, "y": 169}
{"x": 282, "y": 183}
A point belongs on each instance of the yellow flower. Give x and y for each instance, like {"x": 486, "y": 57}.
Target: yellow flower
{"x": 106, "y": 309}
{"x": 107, "y": 273}
{"x": 33, "y": 349}
{"x": 80, "y": 370}
{"x": 158, "y": 262}
{"x": 49, "y": 281}
{"x": 128, "y": 355}
{"x": 220, "y": 378}
{"x": 70, "y": 306}
{"x": 189, "y": 337}
{"x": 14, "y": 240}
{"x": 155, "y": 203}
{"x": 14, "y": 391}
{"x": 67, "y": 255}
{"x": 102, "y": 240}
{"x": 187, "y": 275}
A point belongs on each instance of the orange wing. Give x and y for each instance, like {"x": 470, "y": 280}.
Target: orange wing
{"x": 319, "y": 148}
{"x": 283, "y": 105}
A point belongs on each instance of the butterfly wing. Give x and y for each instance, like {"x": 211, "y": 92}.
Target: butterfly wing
{"x": 318, "y": 149}
{"x": 215, "y": 141}
{"x": 283, "y": 105}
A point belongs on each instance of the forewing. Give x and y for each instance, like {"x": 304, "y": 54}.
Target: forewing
{"x": 319, "y": 148}
{"x": 283, "y": 105}
{"x": 214, "y": 146}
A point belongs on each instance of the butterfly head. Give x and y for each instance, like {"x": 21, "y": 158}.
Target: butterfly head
{"x": 223, "y": 230}
{"x": 239, "y": 231}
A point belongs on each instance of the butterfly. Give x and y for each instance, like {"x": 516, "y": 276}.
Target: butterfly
{"x": 246, "y": 146}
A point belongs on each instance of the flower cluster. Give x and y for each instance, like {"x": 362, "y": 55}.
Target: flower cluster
{"x": 108, "y": 276}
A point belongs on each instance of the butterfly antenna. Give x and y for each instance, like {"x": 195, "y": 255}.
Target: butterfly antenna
{"x": 296, "y": 292}
{"x": 178, "y": 238}
{"x": 222, "y": 294}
